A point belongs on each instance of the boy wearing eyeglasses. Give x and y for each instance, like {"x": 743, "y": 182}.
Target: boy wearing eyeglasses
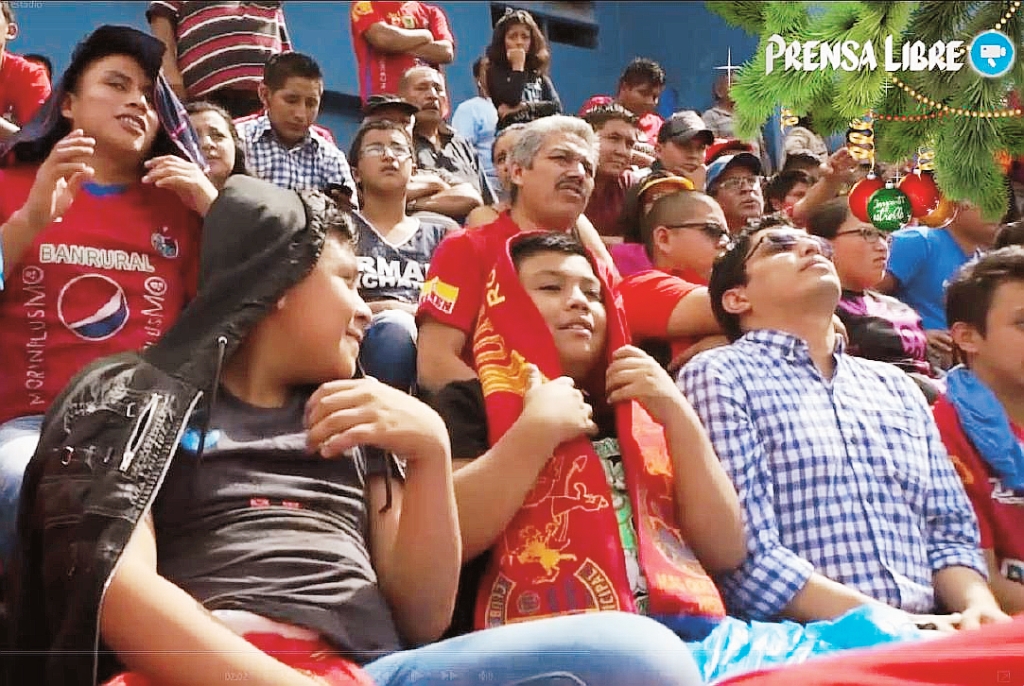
{"x": 848, "y": 495}
{"x": 394, "y": 249}
{"x": 682, "y": 233}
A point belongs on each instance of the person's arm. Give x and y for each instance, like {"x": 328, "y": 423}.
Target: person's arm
{"x": 382, "y": 305}
{"x": 441, "y": 48}
{"x": 505, "y": 85}
{"x": 707, "y": 508}
{"x": 835, "y": 173}
{"x": 163, "y": 28}
{"x": 414, "y": 544}
{"x": 484, "y": 214}
{"x": 491, "y": 488}
{"x": 692, "y": 316}
{"x": 435, "y": 52}
{"x": 439, "y": 355}
{"x": 549, "y": 92}
{"x": 773, "y": 580}
{"x": 965, "y": 590}
{"x": 456, "y": 202}
{"x": 57, "y": 182}
{"x": 1010, "y": 594}
{"x": 593, "y": 242}
{"x": 163, "y": 633}
{"x": 394, "y": 39}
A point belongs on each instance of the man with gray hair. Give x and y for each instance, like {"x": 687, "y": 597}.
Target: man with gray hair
{"x": 551, "y": 169}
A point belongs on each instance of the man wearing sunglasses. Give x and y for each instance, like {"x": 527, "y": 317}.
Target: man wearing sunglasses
{"x": 682, "y": 233}
{"x": 848, "y": 495}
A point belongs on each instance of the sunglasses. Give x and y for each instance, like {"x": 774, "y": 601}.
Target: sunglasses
{"x": 776, "y": 242}
{"x": 712, "y": 230}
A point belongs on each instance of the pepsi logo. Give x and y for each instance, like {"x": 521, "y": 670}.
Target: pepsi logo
{"x": 93, "y": 307}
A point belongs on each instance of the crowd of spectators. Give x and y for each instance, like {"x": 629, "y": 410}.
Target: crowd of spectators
{"x": 490, "y": 389}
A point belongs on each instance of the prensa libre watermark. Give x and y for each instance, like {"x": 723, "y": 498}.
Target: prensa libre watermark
{"x": 850, "y": 55}
{"x": 990, "y": 54}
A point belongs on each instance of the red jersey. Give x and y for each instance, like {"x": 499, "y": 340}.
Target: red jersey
{"x": 1000, "y": 510}
{"x": 110, "y": 277}
{"x": 454, "y": 289}
{"x": 649, "y": 298}
{"x": 649, "y": 124}
{"x": 24, "y": 86}
{"x": 379, "y": 72}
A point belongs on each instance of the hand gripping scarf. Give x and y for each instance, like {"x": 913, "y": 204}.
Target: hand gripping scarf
{"x": 562, "y": 552}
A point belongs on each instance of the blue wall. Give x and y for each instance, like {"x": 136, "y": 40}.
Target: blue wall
{"x": 684, "y": 37}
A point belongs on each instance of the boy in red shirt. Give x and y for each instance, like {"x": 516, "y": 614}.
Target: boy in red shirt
{"x": 24, "y": 85}
{"x": 389, "y": 38}
{"x": 682, "y": 234}
{"x": 981, "y": 417}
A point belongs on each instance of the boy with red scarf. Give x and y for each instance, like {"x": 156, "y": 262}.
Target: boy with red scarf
{"x": 594, "y": 519}
{"x": 981, "y": 417}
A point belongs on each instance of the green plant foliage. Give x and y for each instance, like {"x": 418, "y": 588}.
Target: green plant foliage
{"x": 746, "y": 14}
{"x": 965, "y": 146}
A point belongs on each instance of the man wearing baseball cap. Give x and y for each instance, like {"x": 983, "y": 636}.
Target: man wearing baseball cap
{"x": 735, "y": 182}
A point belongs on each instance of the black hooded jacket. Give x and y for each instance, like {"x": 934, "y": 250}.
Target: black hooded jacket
{"x": 109, "y": 438}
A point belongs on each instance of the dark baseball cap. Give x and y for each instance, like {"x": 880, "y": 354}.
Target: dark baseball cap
{"x": 108, "y": 40}
{"x": 378, "y": 102}
{"x": 684, "y": 126}
{"x": 725, "y": 162}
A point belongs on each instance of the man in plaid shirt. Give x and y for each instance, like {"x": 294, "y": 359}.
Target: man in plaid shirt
{"x": 282, "y": 145}
{"x": 848, "y": 495}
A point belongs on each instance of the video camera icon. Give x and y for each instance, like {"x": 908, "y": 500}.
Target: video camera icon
{"x": 991, "y": 54}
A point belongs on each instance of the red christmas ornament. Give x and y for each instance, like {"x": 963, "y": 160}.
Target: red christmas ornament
{"x": 923, "y": 193}
{"x": 860, "y": 193}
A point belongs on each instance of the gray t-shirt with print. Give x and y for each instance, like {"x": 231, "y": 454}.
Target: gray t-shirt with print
{"x": 260, "y": 525}
{"x": 397, "y": 272}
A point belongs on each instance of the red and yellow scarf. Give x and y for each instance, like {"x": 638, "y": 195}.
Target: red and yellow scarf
{"x": 562, "y": 552}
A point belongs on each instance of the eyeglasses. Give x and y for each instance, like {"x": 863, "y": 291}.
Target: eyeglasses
{"x": 399, "y": 152}
{"x": 736, "y": 183}
{"x": 776, "y": 242}
{"x": 712, "y": 230}
{"x": 869, "y": 234}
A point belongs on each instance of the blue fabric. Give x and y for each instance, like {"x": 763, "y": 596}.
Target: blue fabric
{"x": 388, "y": 352}
{"x": 735, "y": 647}
{"x": 594, "y": 649}
{"x": 985, "y": 423}
{"x": 923, "y": 260}
{"x": 846, "y": 476}
{"x": 475, "y": 120}
{"x": 18, "y": 440}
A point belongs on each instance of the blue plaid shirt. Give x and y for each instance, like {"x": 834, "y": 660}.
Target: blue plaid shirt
{"x": 315, "y": 163}
{"x": 845, "y": 477}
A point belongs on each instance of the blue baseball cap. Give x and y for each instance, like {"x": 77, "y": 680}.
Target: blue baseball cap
{"x": 740, "y": 159}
